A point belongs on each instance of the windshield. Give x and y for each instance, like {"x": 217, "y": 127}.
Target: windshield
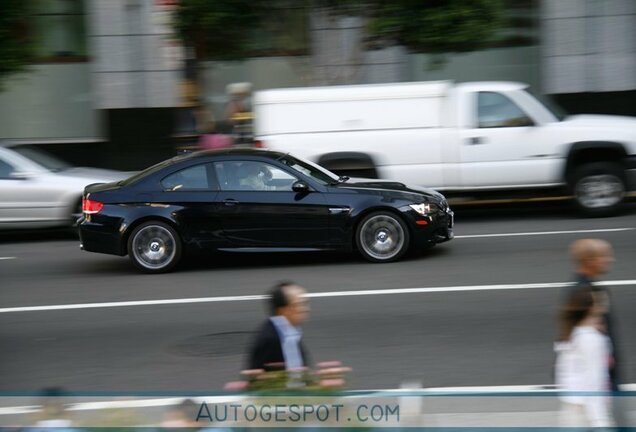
{"x": 41, "y": 158}
{"x": 551, "y": 105}
{"x": 309, "y": 169}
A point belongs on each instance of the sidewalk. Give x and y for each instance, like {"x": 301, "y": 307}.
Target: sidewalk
{"x": 473, "y": 407}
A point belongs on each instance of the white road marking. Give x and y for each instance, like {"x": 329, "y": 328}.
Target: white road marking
{"x": 311, "y": 295}
{"x": 6, "y": 258}
{"x": 522, "y": 234}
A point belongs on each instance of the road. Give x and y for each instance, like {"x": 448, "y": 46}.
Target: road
{"x": 450, "y": 337}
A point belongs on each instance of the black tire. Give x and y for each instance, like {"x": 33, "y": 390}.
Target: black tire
{"x": 154, "y": 247}
{"x": 598, "y": 188}
{"x": 382, "y": 236}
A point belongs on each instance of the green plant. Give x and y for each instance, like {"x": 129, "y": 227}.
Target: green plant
{"x": 16, "y": 46}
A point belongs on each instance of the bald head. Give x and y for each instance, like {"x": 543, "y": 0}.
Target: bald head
{"x": 592, "y": 257}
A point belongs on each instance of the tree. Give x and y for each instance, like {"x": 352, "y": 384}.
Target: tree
{"x": 212, "y": 30}
{"x": 224, "y": 29}
{"x": 217, "y": 29}
{"x": 16, "y": 49}
{"x": 435, "y": 26}
{"x": 422, "y": 26}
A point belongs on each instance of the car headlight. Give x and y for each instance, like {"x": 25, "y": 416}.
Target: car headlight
{"x": 424, "y": 208}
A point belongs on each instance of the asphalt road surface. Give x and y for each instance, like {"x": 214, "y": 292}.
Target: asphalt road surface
{"x": 485, "y": 327}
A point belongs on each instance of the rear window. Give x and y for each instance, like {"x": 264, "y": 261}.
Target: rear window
{"x": 149, "y": 171}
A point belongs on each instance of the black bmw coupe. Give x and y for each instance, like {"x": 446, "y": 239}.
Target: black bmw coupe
{"x": 260, "y": 201}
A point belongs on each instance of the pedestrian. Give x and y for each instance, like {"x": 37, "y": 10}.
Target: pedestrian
{"x": 583, "y": 361}
{"x": 592, "y": 259}
{"x": 279, "y": 341}
{"x": 238, "y": 112}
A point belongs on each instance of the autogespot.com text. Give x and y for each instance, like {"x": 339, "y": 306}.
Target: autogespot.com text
{"x": 299, "y": 413}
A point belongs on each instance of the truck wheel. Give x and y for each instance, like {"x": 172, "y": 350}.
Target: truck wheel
{"x": 598, "y": 188}
{"x": 154, "y": 247}
{"x": 382, "y": 237}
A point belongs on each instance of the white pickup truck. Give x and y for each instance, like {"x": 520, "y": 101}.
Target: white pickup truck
{"x": 470, "y": 138}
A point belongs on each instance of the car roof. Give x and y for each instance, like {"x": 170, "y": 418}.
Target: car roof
{"x": 242, "y": 151}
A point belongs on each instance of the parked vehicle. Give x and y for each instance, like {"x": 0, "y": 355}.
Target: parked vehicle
{"x": 467, "y": 138}
{"x": 38, "y": 190}
{"x": 240, "y": 200}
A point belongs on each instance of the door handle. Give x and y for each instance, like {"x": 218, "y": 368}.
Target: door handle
{"x": 476, "y": 140}
{"x": 339, "y": 210}
{"x": 230, "y": 202}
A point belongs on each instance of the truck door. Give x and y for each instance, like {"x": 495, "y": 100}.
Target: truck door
{"x": 504, "y": 146}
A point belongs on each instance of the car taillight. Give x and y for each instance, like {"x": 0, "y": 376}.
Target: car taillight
{"x": 259, "y": 144}
{"x": 91, "y": 207}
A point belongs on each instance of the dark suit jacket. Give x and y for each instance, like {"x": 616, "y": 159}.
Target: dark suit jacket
{"x": 266, "y": 348}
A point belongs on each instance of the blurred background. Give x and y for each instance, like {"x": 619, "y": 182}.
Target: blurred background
{"x": 122, "y": 84}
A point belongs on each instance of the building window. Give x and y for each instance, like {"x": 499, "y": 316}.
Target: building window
{"x": 59, "y": 31}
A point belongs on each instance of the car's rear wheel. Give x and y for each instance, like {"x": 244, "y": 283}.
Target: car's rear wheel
{"x": 154, "y": 247}
{"x": 382, "y": 237}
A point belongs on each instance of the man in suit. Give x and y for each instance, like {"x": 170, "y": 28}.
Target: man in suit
{"x": 279, "y": 341}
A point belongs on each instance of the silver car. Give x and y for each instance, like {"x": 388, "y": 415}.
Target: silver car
{"x": 38, "y": 190}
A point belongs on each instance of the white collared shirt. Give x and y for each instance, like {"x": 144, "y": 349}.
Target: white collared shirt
{"x": 290, "y": 341}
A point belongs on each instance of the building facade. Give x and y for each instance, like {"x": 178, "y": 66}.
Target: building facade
{"x": 107, "y": 88}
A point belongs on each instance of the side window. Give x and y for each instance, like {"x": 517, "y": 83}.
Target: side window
{"x": 198, "y": 177}
{"x": 496, "y": 110}
{"x": 252, "y": 176}
{"x": 5, "y": 170}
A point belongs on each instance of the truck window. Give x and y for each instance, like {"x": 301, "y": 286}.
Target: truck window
{"x": 496, "y": 110}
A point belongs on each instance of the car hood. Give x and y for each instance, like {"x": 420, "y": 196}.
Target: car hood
{"x": 605, "y": 121}
{"x": 389, "y": 186}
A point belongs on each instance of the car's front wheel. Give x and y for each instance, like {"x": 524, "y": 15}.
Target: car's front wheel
{"x": 154, "y": 247}
{"x": 382, "y": 237}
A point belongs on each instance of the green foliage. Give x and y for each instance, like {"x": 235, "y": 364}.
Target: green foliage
{"x": 229, "y": 29}
{"x": 435, "y": 26}
{"x": 218, "y": 29}
{"x": 16, "y": 49}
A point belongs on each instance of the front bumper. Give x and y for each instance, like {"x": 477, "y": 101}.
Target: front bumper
{"x": 432, "y": 229}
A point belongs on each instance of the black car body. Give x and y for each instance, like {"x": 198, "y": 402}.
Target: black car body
{"x": 220, "y": 201}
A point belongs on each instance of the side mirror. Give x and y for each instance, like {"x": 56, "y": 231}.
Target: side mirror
{"x": 300, "y": 187}
{"x": 20, "y": 175}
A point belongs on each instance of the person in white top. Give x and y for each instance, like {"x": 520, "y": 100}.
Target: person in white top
{"x": 583, "y": 362}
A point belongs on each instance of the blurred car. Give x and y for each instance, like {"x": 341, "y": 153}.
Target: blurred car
{"x": 38, "y": 190}
{"x": 249, "y": 200}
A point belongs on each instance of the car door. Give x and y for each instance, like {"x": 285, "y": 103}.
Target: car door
{"x": 258, "y": 208}
{"x": 503, "y": 147}
{"x": 28, "y": 196}
{"x": 192, "y": 192}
